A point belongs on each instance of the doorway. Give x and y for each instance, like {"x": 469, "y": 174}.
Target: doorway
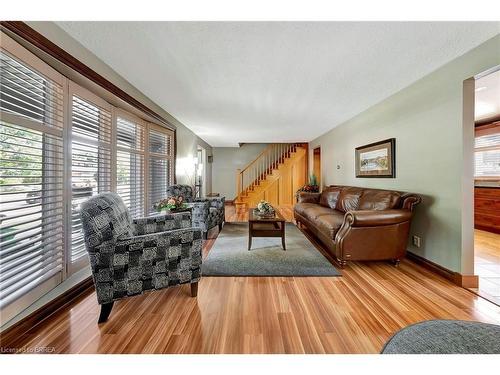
{"x": 487, "y": 185}
{"x": 200, "y": 172}
{"x": 317, "y": 164}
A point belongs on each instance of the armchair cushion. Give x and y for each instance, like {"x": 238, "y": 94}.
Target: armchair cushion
{"x": 105, "y": 218}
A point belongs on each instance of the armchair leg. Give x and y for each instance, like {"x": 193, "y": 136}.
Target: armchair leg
{"x": 105, "y": 311}
{"x": 205, "y": 235}
{"x": 220, "y": 227}
{"x": 194, "y": 289}
{"x": 396, "y": 262}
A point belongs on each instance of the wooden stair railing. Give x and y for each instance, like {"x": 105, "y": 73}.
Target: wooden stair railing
{"x": 263, "y": 165}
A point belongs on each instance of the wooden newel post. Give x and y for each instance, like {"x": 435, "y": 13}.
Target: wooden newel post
{"x": 238, "y": 181}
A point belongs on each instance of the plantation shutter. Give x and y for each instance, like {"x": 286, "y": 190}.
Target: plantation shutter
{"x": 487, "y": 152}
{"x": 31, "y": 178}
{"x": 91, "y": 125}
{"x": 130, "y": 163}
{"x": 160, "y": 145}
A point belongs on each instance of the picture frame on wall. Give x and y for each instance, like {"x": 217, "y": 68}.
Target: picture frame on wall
{"x": 377, "y": 159}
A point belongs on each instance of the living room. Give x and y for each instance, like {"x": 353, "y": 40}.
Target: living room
{"x": 251, "y": 187}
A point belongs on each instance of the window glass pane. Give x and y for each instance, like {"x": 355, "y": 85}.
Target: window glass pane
{"x": 488, "y": 163}
{"x": 159, "y": 181}
{"x": 159, "y": 142}
{"x": 31, "y": 181}
{"x": 26, "y": 93}
{"x": 130, "y": 135}
{"x": 31, "y": 210}
{"x": 130, "y": 181}
{"x": 487, "y": 155}
{"x": 90, "y": 165}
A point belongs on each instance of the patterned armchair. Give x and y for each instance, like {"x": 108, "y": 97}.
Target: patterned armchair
{"x": 207, "y": 212}
{"x": 129, "y": 257}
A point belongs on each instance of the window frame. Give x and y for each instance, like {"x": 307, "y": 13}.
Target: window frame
{"x": 94, "y": 95}
{"x": 28, "y": 59}
{"x": 80, "y": 92}
{"x": 482, "y": 130}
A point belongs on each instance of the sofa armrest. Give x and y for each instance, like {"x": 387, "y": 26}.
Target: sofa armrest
{"x": 372, "y": 218}
{"x": 305, "y": 197}
{"x": 410, "y": 201}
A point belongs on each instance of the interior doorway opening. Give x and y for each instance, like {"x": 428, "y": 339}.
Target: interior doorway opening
{"x": 200, "y": 172}
{"x": 317, "y": 164}
{"x": 487, "y": 184}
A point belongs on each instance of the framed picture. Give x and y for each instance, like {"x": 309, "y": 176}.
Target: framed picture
{"x": 377, "y": 159}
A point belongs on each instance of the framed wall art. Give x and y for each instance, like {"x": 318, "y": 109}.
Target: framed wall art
{"x": 377, "y": 159}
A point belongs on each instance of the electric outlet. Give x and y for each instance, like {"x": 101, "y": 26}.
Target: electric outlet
{"x": 417, "y": 241}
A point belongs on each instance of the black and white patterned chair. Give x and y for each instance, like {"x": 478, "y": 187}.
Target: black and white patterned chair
{"x": 207, "y": 212}
{"x": 129, "y": 257}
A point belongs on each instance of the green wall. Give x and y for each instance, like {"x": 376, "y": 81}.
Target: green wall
{"x": 426, "y": 118}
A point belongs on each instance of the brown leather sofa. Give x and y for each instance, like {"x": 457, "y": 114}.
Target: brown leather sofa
{"x": 358, "y": 223}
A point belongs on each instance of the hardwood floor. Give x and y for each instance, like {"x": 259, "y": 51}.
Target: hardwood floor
{"x": 487, "y": 264}
{"x": 355, "y": 313}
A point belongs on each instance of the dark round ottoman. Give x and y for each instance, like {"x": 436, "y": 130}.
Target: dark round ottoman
{"x": 445, "y": 337}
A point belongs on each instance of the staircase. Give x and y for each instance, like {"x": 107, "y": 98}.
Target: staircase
{"x": 275, "y": 175}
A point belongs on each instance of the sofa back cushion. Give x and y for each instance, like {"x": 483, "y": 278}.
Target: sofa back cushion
{"x": 329, "y": 197}
{"x": 348, "y": 199}
{"x": 373, "y": 199}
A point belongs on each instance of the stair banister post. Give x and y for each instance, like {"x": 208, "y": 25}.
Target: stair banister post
{"x": 238, "y": 181}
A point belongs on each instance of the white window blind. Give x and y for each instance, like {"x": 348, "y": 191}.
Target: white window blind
{"x": 160, "y": 164}
{"x": 487, "y": 153}
{"x": 130, "y": 164}
{"x": 59, "y": 140}
{"x": 91, "y": 125}
{"x": 31, "y": 178}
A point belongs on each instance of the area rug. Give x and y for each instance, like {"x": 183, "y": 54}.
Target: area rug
{"x": 445, "y": 337}
{"x": 229, "y": 255}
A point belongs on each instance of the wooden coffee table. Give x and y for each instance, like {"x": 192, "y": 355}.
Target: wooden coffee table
{"x": 265, "y": 227}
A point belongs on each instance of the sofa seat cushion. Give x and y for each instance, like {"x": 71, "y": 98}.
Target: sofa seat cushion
{"x": 379, "y": 200}
{"x": 313, "y": 212}
{"x": 329, "y": 224}
{"x": 302, "y": 208}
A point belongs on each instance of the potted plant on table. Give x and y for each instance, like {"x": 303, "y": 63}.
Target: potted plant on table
{"x": 264, "y": 209}
{"x": 311, "y": 187}
{"x": 171, "y": 204}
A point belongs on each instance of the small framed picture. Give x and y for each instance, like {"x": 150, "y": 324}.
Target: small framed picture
{"x": 377, "y": 159}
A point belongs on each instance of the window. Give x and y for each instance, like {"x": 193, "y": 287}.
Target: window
{"x": 160, "y": 164}
{"x": 487, "y": 152}
{"x": 31, "y": 180}
{"x": 144, "y": 163}
{"x": 90, "y": 161}
{"x": 130, "y": 163}
{"x": 59, "y": 140}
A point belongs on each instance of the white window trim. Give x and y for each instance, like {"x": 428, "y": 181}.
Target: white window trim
{"x": 68, "y": 89}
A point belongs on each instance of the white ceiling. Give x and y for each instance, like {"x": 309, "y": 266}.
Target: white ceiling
{"x": 234, "y": 82}
{"x": 487, "y": 96}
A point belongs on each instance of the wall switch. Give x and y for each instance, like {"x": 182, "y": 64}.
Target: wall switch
{"x": 417, "y": 241}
